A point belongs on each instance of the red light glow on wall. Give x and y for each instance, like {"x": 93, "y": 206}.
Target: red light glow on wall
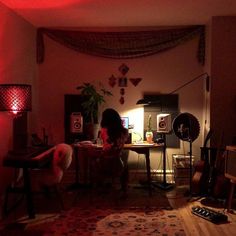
{"x": 15, "y": 98}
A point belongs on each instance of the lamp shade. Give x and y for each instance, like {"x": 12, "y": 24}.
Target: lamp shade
{"x": 148, "y": 100}
{"x": 142, "y": 101}
{"x": 15, "y": 98}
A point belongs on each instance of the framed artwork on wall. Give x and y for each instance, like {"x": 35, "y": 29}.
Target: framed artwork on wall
{"x": 122, "y": 82}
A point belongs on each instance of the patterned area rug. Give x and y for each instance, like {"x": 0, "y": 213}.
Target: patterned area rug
{"x": 101, "y": 212}
{"x": 98, "y": 222}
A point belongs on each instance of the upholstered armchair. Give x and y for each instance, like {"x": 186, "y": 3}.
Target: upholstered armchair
{"x": 48, "y": 179}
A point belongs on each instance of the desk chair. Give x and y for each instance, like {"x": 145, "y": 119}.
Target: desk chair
{"x": 110, "y": 167}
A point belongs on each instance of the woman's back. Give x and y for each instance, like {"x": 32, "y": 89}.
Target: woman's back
{"x": 113, "y": 133}
{"x": 117, "y": 143}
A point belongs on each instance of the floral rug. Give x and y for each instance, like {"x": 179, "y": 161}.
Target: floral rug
{"x": 98, "y": 213}
{"x": 100, "y": 221}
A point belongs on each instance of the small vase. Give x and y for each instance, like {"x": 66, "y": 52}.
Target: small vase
{"x": 149, "y": 136}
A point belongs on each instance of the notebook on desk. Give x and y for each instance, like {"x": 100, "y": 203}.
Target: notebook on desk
{"x": 143, "y": 144}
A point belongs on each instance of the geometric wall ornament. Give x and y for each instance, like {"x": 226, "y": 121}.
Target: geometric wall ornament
{"x": 123, "y": 69}
{"x": 135, "y": 81}
{"x": 112, "y": 81}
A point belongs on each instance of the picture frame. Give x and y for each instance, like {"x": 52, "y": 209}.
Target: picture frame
{"x": 122, "y": 82}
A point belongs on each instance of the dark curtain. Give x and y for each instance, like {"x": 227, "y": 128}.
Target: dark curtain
{"x": 126, "y": 44}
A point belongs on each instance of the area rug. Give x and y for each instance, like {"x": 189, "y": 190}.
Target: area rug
{"x": 136, "y": 197}
{"x": 100, "y": 213}
{"x": 105, "y": 222}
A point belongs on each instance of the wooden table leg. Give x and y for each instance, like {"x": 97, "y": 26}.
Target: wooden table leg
{"x": 148, "y": 167}
{"x": 230, "y": 196}
{"x": 145, "y": 151}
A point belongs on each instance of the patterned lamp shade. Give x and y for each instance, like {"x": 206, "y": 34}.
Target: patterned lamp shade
{"x": 15, "y": 98}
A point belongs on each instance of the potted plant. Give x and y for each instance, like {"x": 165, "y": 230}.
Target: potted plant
{"x": 93, "y": 98}
{"x": 149, "y": 133}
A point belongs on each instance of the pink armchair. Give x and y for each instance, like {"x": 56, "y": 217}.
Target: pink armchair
{"x": 49, "y": 178}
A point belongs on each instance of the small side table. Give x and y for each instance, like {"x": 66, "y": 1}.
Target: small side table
{"x": 230, "y": 172}
{"x": 28, "y": 158}
{"x": 231, "y": 194}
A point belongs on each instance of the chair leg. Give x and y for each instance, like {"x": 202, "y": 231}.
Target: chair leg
{"x": 124, "y": 180}
{"x": 4, "y": 209}
{"x": 230, "y": 196}
{"x": 53, "y": 190}
{"x": 58, "y": 193}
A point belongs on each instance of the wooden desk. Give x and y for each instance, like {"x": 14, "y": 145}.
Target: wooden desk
{"x": 138, "y": 148}
{"x": 28, "y": 158}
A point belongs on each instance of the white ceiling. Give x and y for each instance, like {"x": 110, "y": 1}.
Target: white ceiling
{"x": 106, "y": 13}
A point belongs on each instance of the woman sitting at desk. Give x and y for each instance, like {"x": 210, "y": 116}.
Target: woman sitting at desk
{"x": 112, "y": 133}
{"x": 113, "y": 136}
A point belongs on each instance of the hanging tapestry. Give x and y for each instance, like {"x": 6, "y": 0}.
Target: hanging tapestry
{"x": 123, "y": 45}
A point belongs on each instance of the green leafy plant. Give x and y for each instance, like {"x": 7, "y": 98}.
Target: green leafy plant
{"x": 149, "y": 125}
{"x": 93, "y": 99}
{"x": 149, "y": 133}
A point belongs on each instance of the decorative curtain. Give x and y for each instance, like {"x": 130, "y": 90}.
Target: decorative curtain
{"x": 120, "y": 45}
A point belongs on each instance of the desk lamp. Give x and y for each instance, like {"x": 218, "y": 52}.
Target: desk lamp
{"x": 16, "y": 99}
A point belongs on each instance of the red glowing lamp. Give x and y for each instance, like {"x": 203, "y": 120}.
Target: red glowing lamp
{"x": 15, "y": 98}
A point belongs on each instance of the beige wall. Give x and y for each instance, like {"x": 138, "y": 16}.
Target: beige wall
{"x": 64, "y": 69}
{"x": 223, "y": 95}
{"x": 17, "y": 65}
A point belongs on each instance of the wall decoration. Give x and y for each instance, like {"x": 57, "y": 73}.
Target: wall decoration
{"x": 112, "y": 81}
{"x": 122, "y": 91}
{"x": 123, "y": 69}
{"x": 122, "y": 100}
{"x": 135, "y": 81}
{"x": 122, "y": 82}
{"x": 123, "y": 45}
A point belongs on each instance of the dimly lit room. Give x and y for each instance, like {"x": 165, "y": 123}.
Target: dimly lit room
{"x": 117, "y": 117}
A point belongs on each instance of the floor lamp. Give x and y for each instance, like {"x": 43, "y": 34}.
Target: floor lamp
{"x": 16, "y": 99}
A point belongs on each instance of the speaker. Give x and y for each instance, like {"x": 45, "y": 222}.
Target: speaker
{"x": 76, "y": 122}
{"x": 163, "y": 123}
{"x": 230, "y": 162}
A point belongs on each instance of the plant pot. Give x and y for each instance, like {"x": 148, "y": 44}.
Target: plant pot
{"x": 91, "y": 131}
{"x": 96, "y": 128}
{"x": 149, "y": 136}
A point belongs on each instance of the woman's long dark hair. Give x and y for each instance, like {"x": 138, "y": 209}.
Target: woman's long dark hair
{"x": 112, "y": 121}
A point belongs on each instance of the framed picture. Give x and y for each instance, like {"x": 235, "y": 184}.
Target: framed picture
{"x": 125, "y": 122}
{"x": 122, "y": 82}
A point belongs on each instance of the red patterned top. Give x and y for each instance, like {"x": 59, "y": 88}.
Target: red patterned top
{"x": 107, "y": 145}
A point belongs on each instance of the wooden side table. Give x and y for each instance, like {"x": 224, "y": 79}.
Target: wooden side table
{"x": 230, "y": 195}
{"x": 230, "y": 172}
{"x": 28, "y": 158}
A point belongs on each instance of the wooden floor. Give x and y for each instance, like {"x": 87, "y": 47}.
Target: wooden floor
{"x": 194, "y": 225}
{"x": 197, "y": 226}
